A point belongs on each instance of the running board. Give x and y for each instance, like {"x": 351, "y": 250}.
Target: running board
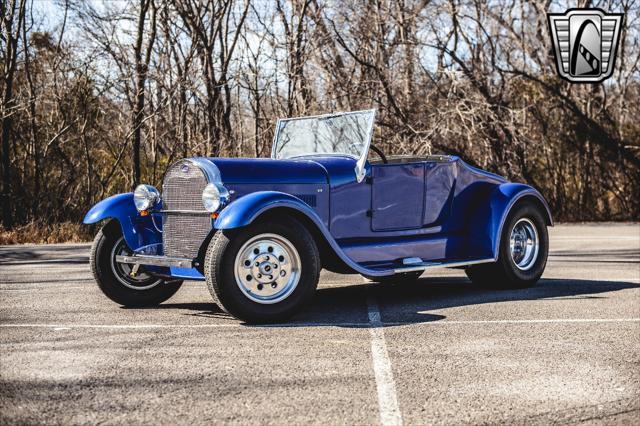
{"x": 141, "y": 259}
{"x": 413, "y": 266}
{"x": 410, "y": 264}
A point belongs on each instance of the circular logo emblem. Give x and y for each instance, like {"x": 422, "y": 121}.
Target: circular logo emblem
{"x": 184, "y": 168}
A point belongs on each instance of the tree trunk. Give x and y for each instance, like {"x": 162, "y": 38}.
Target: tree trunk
{"x": 9, "y": 18}
{"x": 142, "y": 68}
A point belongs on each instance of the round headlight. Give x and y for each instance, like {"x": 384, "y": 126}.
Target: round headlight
{"x": 214, "y": 196}
{"x": 145, "y": 197}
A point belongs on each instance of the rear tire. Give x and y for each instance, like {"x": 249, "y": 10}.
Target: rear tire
{"x": 263, "y": 273}
{"x": 114, "y": 279}
{"x": 524, "y": 247}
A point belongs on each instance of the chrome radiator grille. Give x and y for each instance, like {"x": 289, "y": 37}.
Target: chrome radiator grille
{"x": 183, "y": 233}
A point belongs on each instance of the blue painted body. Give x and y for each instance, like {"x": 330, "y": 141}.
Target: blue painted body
{"x": 138, "y": 231}
{"x": 440, "y": 210}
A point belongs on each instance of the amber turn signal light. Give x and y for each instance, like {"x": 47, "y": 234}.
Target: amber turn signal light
{"x": 144, "y": 213}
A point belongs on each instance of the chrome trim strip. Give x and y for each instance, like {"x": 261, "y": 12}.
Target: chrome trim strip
{"x": 428, "y": 265}
{"x": 138, "y": 259}
{"x": 210, "y": 170}
{"x": 360, "y": 169}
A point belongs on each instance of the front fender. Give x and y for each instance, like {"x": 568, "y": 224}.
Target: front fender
{"x": 246, "y": 209}
{"x": 486, "y": 227}
{"x": 138, "y": 231}
{"x": 117, "y": 206}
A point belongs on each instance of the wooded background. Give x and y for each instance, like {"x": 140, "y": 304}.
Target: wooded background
{"x": 100, "y": 96}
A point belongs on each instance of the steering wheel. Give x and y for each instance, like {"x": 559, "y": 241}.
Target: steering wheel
{"x": 379, "y": 152}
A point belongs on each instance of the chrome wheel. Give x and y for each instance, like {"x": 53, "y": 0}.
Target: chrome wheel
{"x": 267, "y": 268}
{"x": 126, "y": 274}
{"x": 524, "y": 244}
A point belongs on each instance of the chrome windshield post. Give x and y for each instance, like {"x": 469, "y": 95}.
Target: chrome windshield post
{"x": 360, "y": 169}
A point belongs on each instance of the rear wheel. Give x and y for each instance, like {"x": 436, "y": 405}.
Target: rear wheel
{"x": 118, "y": 280}
{"x": 524, "y": 246}
{"x": 263, "y": 273}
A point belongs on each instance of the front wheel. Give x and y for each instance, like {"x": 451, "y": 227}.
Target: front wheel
{"x": 263, "y": 273}
{"x": 118, "y": 281}
{"x": 524, "y": 246}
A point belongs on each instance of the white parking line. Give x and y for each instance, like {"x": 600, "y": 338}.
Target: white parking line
{"x": 387, "y": 399}
{"x": 41, "y": 288}
{"x": 328, "y": 324}
{"x": 597, "y": 238}
{"x": 528, "y": 321}
{"x": 118, "y": 326}
{"x": 604, "y": 280}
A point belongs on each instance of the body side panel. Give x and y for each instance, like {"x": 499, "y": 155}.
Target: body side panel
{"x": 315, "y": 195}
{"x": 462, "y": 186}
{"x": 440, "y": 180}
{"x": 244, "y": 210}
{"x": 397, "y": 196}
{"x": 428, "y": 248}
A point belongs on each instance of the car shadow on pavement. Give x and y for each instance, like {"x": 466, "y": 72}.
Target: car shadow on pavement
{"x": 401, "y": 304}
{"x": 196, "y": 309}
{"x": 43, "y": 255}
{"x": 622, "y": 256}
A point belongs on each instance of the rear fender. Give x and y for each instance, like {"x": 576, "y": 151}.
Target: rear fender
{"x": 245, "y": 210}
{"x": 485, "y": 226}
{"x": 138, "y": 231}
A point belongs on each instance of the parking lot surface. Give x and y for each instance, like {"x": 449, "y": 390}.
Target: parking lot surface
{"x": 436, "y": 352}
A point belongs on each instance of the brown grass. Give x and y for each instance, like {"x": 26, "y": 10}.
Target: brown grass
{"x": 40, "y": 233}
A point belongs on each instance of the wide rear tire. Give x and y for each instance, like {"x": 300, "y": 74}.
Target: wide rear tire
{"x": 263, "y": 273}
{"x": 114, "y": 279}
{"x": 524, "y": 247}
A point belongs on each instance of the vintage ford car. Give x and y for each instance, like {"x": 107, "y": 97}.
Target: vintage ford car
{"x": 258, "y": 231}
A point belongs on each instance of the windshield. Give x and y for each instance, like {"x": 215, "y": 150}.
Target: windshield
{"x": 346, "y": 133}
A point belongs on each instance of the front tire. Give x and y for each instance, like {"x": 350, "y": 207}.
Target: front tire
{"x": 263, "y": 273}
{"x": 115, "y": 280}
{"x": 524, "y": 247}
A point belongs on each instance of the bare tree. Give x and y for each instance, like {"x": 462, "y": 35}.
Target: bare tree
{"x": 141, "y": 70}
{"x": 13, "y": 15}
{"x": 212, "y": 32}
{"x": 135, "y": 85}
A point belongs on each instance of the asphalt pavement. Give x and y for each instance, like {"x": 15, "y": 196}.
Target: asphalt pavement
{"x": 436, "y": 352}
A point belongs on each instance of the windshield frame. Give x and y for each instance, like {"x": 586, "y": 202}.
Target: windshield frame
{"x": 360, "y": 160}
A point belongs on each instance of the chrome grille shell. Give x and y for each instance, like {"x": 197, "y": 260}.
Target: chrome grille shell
{"x": 185, "y": 222}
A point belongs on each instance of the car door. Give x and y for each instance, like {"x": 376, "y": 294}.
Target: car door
{"x": 397, "y": 198}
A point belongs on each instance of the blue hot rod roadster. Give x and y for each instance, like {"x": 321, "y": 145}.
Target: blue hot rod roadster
{"x": 258, "y": 231}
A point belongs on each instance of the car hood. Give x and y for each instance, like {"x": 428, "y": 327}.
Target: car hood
{"x": 267, "y": 170}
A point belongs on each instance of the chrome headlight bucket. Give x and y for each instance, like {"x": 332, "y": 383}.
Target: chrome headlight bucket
{"x": 214, "y": 197}
{"x": 145, "y": 197}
